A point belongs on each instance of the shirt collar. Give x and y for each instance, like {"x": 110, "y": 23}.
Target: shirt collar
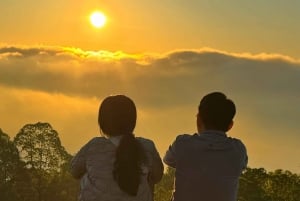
{"x": 213, "y": 132}
{"x": 115, "y": 139}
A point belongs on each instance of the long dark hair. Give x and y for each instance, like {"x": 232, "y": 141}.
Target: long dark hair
{"x": 117, "y": 116}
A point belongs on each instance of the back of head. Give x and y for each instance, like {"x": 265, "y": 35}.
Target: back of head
{"x": 117, "y": 117}
{"x": 216, "y": 111}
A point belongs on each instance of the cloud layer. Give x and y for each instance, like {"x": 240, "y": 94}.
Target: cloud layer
{"x": 64, "y": 86}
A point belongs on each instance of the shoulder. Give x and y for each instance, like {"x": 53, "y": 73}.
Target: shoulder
{"x": 238, "y": 143}
{"x": 97, "y": 142}
{"x": 144, "y": 140}
{"x": 180, "y": 144}
{"x": 147, "y": 143}
{"x": 183, "y": 138}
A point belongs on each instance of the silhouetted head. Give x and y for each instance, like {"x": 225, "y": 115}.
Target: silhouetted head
{"x": 215, "y": 112}
{"x": 117, "y": 115}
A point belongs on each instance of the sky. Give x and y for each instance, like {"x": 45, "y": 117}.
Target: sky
{"x": 166, "y": 55}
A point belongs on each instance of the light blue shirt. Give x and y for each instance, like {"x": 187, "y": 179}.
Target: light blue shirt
{"x": 208, "y": 166}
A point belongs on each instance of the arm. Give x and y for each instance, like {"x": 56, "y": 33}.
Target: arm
{"x": 245, "y": 159}
{"x": 78, "y": 167}
{"x": 170, "y": 156}
{"x": 157, "y": 169}
{"x": 243, "y": 152}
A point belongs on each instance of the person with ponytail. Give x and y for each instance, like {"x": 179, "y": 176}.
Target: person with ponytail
{"x": 117, "y": 165}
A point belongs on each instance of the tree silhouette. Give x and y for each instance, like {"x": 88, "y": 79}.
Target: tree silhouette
{"x": 252, "y": 185}
{"x": 9, "y": 164}
{"x": 40, "y": 147}
{"x": 283, "y": 185}
{"x": 164, "y": 189}
{"x": 41, "y": 150}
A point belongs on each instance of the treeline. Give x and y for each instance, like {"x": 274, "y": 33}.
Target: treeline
{"x": 256, "y": 184}
{"x": 34, "y": 166}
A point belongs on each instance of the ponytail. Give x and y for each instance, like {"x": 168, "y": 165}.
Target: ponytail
{"x": 127, "y": 167}
{"x": 117, "y": 116}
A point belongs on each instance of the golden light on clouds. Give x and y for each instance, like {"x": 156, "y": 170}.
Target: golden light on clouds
{"x": 98, "y": 19}
{"x": 65, "y": 85}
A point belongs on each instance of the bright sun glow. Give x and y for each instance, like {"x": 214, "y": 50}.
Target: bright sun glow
{"x": 98, "y": 19}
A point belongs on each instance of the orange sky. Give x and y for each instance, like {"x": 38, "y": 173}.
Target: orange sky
{"x": 55, "y": 67}
{"x": 150, "y": 26}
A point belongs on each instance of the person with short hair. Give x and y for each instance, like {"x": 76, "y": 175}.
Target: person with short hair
{"x": 117, "y": 165}
{"x": 208, "y": 164}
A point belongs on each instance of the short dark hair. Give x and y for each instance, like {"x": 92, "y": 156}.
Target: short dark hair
{"x": 216, "y": 111}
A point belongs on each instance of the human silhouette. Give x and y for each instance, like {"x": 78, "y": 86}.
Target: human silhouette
{"x": 208, "y": 164}
{"x": 117, "y": 165}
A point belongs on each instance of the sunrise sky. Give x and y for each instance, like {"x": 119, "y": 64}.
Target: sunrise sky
{"x": 56, "y": 67}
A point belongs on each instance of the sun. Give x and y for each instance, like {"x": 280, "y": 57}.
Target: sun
{"x": 97, "y": 19}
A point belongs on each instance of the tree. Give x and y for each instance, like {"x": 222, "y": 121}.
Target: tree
{"x": 41, "y": 150}
{"x": 63, "y": 186}
{"x": 252, "y": 185}
{"x": 40, "y": 147}
{"x": 283, "y": 185}
{"x": 9, "y": 165}
{"x": 163, "y": 190}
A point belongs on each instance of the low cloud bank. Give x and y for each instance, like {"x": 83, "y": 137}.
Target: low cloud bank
{"x": 265, "y": 88}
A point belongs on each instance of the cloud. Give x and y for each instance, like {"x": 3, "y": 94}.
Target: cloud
{"x": 65, "y": 85}
{"x": 86, "y": 73}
